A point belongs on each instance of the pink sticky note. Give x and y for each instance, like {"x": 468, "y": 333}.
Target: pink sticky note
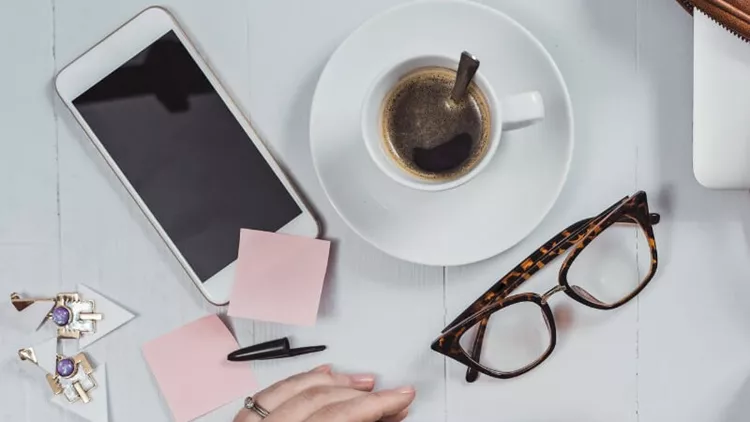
{"x": 190, "y": 365}
{"x": 279, "y": 277}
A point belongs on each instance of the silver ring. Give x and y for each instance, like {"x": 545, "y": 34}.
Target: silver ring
{"x": 253, "y": 406}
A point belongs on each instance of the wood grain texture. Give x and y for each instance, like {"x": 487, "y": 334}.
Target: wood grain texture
{"x": 29, "y": 229}
{"x": 676, "y": 353}
{"x": 595, "y": 358}
{"x": 694, "y": 327}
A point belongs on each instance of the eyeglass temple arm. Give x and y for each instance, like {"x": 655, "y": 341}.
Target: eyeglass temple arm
{"x": 476, "y": 350}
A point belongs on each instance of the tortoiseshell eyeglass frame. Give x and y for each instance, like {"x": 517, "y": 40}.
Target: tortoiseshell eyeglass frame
{"x": 629, "y": 210}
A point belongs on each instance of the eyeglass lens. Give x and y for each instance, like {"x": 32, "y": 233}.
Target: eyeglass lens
{"x": 610, "y": 268}
{"x": 516, "y": 336}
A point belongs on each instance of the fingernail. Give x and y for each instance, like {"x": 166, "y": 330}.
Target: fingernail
{"x": 362, "y": 379}
{"x": 407, "y": 389}
{"x": 322, "y": 369}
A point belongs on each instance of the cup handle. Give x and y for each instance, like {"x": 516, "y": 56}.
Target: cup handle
{"x": 522, "y": 110}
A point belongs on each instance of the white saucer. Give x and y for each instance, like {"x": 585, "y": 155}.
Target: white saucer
{"x": 490, "y": 213}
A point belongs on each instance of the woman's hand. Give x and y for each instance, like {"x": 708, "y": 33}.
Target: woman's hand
{"x": 323, "y": 396}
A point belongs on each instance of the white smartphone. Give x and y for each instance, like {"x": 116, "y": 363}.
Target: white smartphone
{"x": 181, "y": 147}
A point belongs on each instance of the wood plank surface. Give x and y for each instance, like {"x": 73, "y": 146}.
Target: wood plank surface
{"x": 677, "y": 352}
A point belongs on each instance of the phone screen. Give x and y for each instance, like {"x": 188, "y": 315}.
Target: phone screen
{"x": 185, "y": 154}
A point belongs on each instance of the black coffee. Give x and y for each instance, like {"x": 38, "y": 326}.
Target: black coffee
{"x": 430, "y": 135}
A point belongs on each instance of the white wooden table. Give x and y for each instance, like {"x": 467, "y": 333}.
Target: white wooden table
{"x": 679, "y": 352}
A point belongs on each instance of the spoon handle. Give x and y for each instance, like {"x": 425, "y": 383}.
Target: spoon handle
{"x": 467, "y": 68}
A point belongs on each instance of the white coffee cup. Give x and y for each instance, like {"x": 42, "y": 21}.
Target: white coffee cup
{"x": 509, "y": 113}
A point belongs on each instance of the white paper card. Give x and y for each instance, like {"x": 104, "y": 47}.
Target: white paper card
{"x": 721, "y": 100}
{"x": 30, "y": 319}
{"x": 113, "y": 316}
{"x": 97, "y": 410}
{"x": 46, "y": 356}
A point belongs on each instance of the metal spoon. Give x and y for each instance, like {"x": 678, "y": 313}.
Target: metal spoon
{"x": 467, "y": 68}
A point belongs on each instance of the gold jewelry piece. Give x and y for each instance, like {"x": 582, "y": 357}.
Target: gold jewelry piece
{"x": 29, "y": 355}
{"x": 21, "y": 304}
{"x": 72, "y": 315}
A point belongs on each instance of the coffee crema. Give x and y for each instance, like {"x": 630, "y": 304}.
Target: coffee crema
{"x": 427, "y": 133}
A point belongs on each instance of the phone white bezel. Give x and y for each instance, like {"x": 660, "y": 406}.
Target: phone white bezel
{"x": 111, "y": 53}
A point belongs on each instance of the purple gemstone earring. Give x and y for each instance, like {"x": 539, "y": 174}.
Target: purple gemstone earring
{"x": 72, "y": 315}
{"x": 73, "y": 376}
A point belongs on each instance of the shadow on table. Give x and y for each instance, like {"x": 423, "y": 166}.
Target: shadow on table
{"x": 739, "y": 407}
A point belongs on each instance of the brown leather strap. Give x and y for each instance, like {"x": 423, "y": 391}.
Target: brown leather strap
{"x": 734, "y": 15}
{"x": 687, "y": 5}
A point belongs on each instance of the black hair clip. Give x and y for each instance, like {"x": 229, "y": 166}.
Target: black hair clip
{"x": 275, "y": 349}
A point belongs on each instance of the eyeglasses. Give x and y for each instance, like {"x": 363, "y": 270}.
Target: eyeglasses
{"x": 611, "y": 258}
